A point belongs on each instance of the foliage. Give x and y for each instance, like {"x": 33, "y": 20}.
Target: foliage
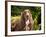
{"x": 36, "y": 14}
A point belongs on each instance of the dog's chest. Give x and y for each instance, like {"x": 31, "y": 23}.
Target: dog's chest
{"x": 27, "y": 23}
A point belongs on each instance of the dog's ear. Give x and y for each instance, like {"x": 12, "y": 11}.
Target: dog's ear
{"x": 22, "y": 14}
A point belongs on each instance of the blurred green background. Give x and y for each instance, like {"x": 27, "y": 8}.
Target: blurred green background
{"x": 36, "y": 14}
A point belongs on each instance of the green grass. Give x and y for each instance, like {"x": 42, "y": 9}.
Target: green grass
{"x": 15, "y": 18}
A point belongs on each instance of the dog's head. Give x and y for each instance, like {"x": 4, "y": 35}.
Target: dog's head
{"x": 26, "y": 15}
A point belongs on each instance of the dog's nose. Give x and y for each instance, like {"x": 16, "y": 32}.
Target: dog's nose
{"x": 27, "y": 16}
